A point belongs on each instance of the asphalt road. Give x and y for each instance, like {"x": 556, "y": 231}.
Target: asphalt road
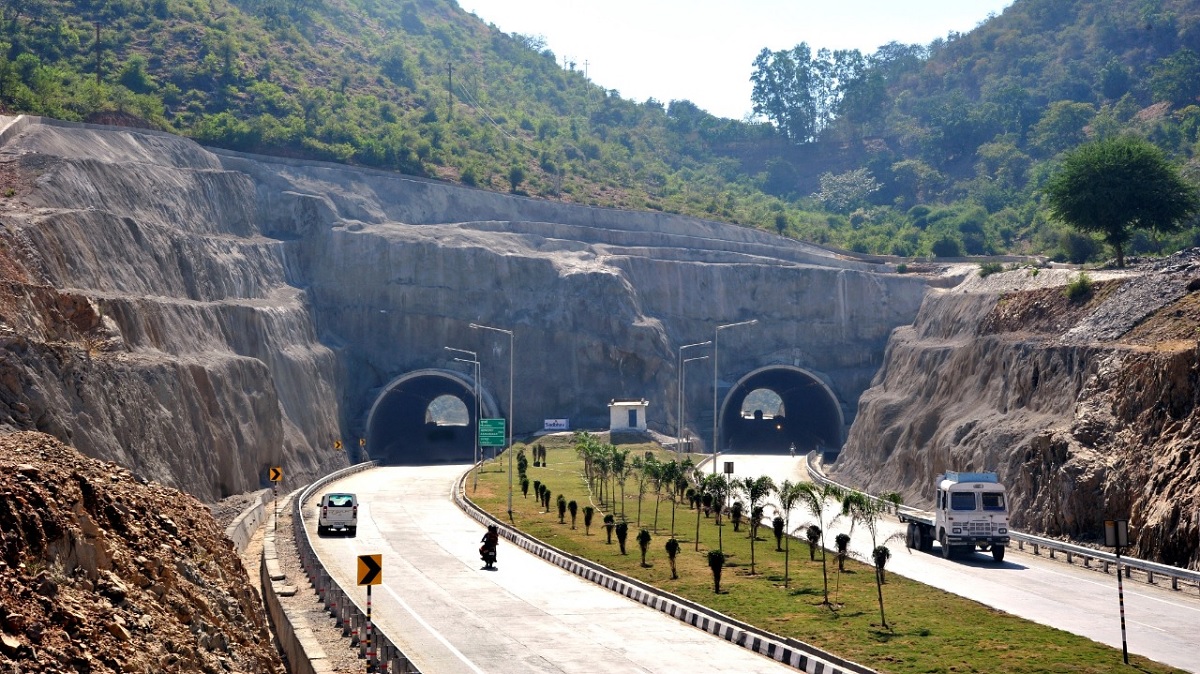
{"x": 1161, "y": 624}
{"x": 449, "y": 615}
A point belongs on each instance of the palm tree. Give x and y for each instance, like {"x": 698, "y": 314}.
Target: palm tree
{"x": 700, "y": 496}
{"x": 756, "y": 489}
{"x": 588, "y": 513}
{"x": 573, "y": 508}
{"x": 718, "y": 486}
{"x": 670, "y": 472}
{"x": 608, "y": 527}
{"x": 813, "y": 499}
{"x": 867, "y": 511}
{"x": 639, "y": 467}
{"x": 562, "y": 508}
{"x": 620, "y": 470}
{"x": 789, "y": 494}
{"x": 843, "y": 545}
{"x": 622, "y": 534}
{"x": 643, "y": 539}
{"x": 777, "y": 525}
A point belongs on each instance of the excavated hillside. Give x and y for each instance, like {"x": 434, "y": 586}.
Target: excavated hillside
{"x": 102, "y": 572}
{"x": 1089, "y": 409}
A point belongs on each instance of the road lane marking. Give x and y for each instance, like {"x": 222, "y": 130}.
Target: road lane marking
{"x": 436, "y": 635}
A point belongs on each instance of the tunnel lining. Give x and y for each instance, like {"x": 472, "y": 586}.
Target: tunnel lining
{"x": 397, "y": 431}
{"x": 812, "y": 413}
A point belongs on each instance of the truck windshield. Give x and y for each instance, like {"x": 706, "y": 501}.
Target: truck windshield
{"x": 993, "y": 500}
{"x": 962, "y": 500}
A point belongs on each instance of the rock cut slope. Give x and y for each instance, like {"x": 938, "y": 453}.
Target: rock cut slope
{"x": 1088, "y": 409}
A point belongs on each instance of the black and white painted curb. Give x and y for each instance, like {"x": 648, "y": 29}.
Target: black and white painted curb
{"x": 797, "y": 654}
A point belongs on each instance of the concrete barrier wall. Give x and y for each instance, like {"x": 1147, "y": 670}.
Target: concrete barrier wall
{"x": 245, "y": 524}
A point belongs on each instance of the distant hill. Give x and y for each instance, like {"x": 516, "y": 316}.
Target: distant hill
{"x": 935, "y": 149}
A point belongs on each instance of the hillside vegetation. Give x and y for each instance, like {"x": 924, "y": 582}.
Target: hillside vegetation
{"x": 918, "y": 150}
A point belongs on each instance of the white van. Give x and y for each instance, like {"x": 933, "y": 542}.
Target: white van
{"x": 338, "y": 512}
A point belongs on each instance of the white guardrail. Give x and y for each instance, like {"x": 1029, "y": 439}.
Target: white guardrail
{"x": 1147, "y": 571}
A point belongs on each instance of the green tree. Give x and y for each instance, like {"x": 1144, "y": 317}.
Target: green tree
{"x": 573, "y": 508}
{"x": 562, "y": 509}
{"x": 1176, "y": 79}
{"x": 622, "y": 534}
{"x": 1115, "y": 186}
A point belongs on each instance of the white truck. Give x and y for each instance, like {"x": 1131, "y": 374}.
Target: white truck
{"x": 970, "y": 511}
{"x": 337, "y": 511}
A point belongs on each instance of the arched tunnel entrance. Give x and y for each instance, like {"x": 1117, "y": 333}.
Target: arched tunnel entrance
{"x": 426, "y": 416}
{"x": 775, "y": 406}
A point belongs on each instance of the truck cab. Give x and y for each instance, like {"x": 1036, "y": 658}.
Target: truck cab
{"x": 971, "y": 510}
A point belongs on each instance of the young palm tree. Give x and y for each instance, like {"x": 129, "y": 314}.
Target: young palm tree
{"x": 718, "y": 486}
{"x": 843, "y": 546}
{"x": 735, "y": 514}
{"x": 573, "y": 508}
{"x": 669, "y": 473}
{"x": 813, "y": 499}
{"x": 622, "y": 534}
{"x": 562, "y": 508}
{"x": 756, "y": 489}
{"x": 609, "y": 521}
{"x": 789, "y": 494}
{"x": 777, "y": 526}
{"x": 867, "y": 511}
{"x": 620, "y": 470}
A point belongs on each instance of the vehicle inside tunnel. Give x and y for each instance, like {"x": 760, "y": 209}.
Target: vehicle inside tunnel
{"x": 426, "y": 417}
{"x": 772, "y": 408}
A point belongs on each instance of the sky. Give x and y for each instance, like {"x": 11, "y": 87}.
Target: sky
{"x": 703, "y": 50}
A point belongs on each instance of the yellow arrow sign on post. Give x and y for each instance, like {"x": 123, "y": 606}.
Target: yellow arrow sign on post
{"x": 337, "y": 444}
{"x": 276, "y": 474}
{"x": 370, "y": 569}
{"x": 362, "y": 442}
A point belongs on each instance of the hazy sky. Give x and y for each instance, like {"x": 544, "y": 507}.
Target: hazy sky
{"x": 703, "y": 50}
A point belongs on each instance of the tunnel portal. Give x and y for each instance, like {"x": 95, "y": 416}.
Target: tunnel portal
{"x": 406, "y": 427}
{"x": 805, "y": 412}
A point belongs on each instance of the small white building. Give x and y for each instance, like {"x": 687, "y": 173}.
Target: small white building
{"x": 627, "y": 414}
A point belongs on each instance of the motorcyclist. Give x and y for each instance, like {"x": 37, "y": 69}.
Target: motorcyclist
{"x": 487, "y": 551}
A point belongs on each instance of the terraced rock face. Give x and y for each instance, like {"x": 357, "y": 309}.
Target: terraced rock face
{"x": 1089, "y": 409}
{"x": 200, "y": 317}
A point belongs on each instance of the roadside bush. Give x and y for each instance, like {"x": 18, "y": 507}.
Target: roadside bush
{"x": 1079, "y": 288}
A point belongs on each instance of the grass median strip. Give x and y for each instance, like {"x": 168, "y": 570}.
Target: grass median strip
{"x": 928, "y": 630}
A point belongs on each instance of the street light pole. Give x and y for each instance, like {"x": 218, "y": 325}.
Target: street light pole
{"x": 679, "y": 398}
{"x": 474, "y": 359}
{"x": 511, "y": 348}
{"x": 716, "y": 345}
{"x": 683, "y": 372}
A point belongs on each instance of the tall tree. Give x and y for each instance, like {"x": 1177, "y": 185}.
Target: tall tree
{"x": 813, "y": 498}
{"x": 867, "y": 511}
{"x": 1115, "y": 186}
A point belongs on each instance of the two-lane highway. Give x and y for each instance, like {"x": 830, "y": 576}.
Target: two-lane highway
{"x": 448, "y": 614}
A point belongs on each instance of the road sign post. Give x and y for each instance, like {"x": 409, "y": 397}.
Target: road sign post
{"x": 1116, "y": 535}
{"x": 370, "y": 572}
{"x": 276, "y": 475}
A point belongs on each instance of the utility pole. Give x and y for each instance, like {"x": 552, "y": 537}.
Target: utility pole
{"x": 450, "y": 88}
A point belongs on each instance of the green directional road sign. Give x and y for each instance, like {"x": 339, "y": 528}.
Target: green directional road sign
{"x": 491, "y": 432}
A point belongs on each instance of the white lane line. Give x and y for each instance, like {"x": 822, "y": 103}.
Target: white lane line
{"x": 436, "y": 635}
{"x": 1150, "y": 626}
{"x": 1128, "y": 592}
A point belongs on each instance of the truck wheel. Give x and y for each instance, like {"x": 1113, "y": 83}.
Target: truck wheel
{"x": 926, "y": 540}
{"x": 321, "y": 531}
{"x": 998, "y": 553}
{"x": 947, "y": 551}
{"x": 352, "y": 531}
{"x": 912, "y": 538}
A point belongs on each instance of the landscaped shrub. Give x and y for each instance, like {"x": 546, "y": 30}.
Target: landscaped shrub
{"x": 622, "y": 534}
{"x": 777, "y": 526}
{"x": 562, "y": 508}
{"x": 672, "y": 550}
{"x": 588, "y": 513}
{"x": 716, "y": 561}
{"x": 812, "y": 534}
{"x": 525, "y": 487}
{"x": 643, "y": 539}
{"x": 573, "y": 508}
{"x": 608, "y": 526}
{"x": 735, "y": 514}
